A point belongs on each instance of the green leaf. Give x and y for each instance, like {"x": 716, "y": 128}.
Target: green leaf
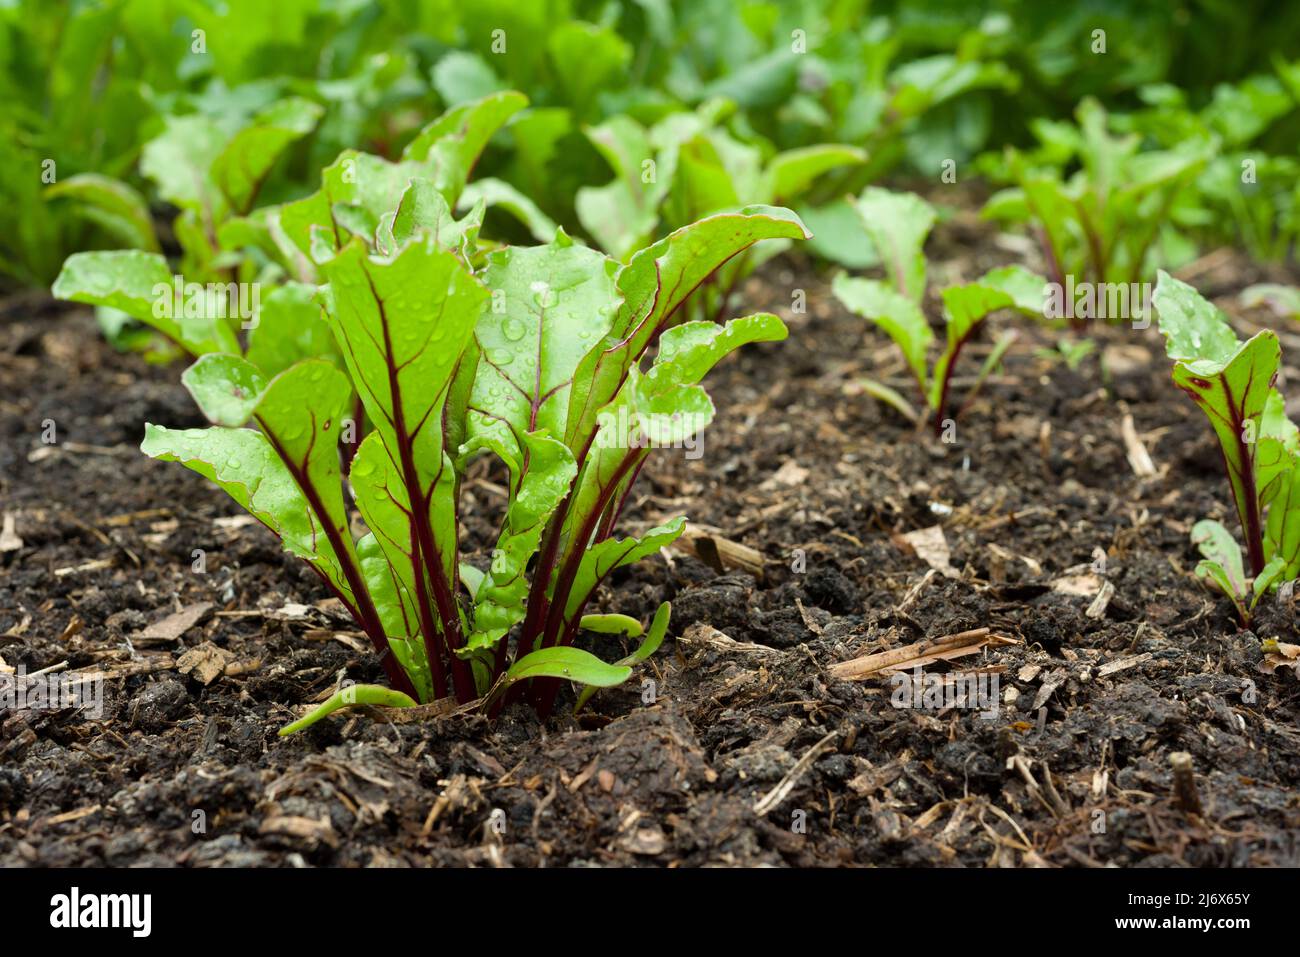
{"x": 893, "y": 312}
{"x": 891, "y": 398}
{"x": 353, "y": 696}
{"x": 1220, "y": 549}
{"x": 497, "y": 193}
{"x": 966, "y": 307}
{"x": 423, "y": 209}
{"x": 1282, "y": 525}
{"x": 621, "y": 215}
{"x": 226, "y": 388}
{"x": 587, "y": 59}
{"x": 790, "y": 173}
{"x": 601, "y": 558}
{"x": 838, "y": 235}
{"x": 687, "y": 353}
{"x": 570, "y": 664}
{"x": 654, "y": 283}
{"x": 1231, "y": 383}
{"x": 1194, "y": 329}
{"x": 612, "y": 625}
{"x": 243, "y": 164}
{"x": 1273, "y": 573}
{"x": 450, "y": 146}
{"x": 461, "y": 76}
{"x": 113, "y": 205}
{"x": 1279, "y": 448}
{"x": 141, "y": 285}
{"x": 540, "y": 479}
{"x": 290, "y": 327}
{"x": 1221, "y": 577}
{"x": 550, "y": 305}
{"x": 179, "y": 161}
{"x": 898, "y": 224}
{"x": 391, "y": 587}
{"x": 653, "y": 639}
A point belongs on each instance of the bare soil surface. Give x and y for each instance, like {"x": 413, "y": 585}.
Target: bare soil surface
{"x": 745, "y": 748}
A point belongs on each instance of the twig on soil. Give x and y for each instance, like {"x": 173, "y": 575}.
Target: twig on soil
{"x": 1139, "y": 459}
{"x": 918, "y": 654}
{"x": 721, "y": 553}
{"x": 774, "y": 797}
{"x": 1185, "y": 793}
{"x": 914, "y": 592}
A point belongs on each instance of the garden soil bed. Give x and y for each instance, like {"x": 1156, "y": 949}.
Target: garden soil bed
{"x": 746, "y": 749}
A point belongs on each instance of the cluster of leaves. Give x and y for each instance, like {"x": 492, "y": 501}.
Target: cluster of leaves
{"x": 1111, "y": 197}
{"x": 1249, "y": 190}
{"x": 85, "y": 86}
{"x": 1233, "y": 383}
{"x": 897, "y": 225}
{"x": 535, "y": 355}
{"x": 226, "y": 246}
{"x": 1105, "y": 222}
{"x": 686, "y": 167}
{"x": 89, "y": 87}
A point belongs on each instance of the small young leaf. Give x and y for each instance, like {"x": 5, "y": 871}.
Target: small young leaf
{"x": 1218, "y": 547}
{"x": 898, "y": 224}
{"x": 571, "y": 664}
{"x": 653, "y": 639}
{"x": 612, "y": 625}
{"x": 893, "y": 312}
{"x": 353, "y": 696}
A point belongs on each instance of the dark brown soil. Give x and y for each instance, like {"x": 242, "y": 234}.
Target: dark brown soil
{"x": 800, "y": 465}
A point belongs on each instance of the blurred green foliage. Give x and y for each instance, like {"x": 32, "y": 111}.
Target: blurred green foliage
{"x": 96, "y": 87}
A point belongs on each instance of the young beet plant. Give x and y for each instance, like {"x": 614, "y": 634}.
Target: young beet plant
{"x": 1233, "y": 383}
{"x": 898, "y": 224}
{"x": 538, "y": 357}
{"x": 1106, "y": 221}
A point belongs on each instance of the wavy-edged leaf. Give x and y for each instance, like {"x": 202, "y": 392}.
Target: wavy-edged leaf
{"x": 1231, "y": 382}
{"x": 140, "y": 285}
{"x": 653, "y": 284}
